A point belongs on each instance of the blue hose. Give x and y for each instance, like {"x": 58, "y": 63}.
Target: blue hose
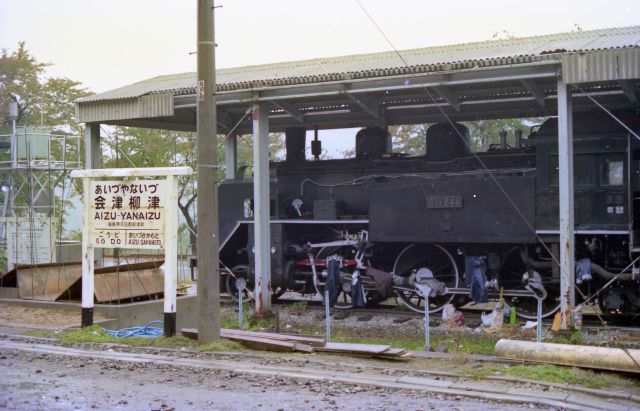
{"x": 146, "y": 331}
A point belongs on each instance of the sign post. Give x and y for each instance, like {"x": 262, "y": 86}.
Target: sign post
{"x": 132, "y": 213}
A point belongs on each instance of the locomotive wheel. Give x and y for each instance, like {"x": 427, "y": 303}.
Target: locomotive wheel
{"x": 240, "y": 271}
{"x": 344, "y": 293}
{"x": 439, "y": 261}
{"x": 513, "y": 268}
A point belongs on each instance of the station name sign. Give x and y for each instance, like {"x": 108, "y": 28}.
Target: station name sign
{"x": 127, "y": 214}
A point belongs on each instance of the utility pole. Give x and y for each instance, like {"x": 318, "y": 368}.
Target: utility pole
{"x": 207, "y": 202}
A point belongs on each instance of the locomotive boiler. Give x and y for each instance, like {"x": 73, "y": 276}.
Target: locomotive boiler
{"x": 391, "y": 218}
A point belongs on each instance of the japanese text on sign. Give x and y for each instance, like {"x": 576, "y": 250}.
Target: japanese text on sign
{"x": 127, "y": 214}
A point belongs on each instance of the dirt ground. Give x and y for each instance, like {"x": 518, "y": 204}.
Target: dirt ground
{"x": 35, "y": 381}
{"x": 50, "y": 319}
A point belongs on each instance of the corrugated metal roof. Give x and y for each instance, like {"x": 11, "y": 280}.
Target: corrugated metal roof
{"x": 423, "y": 60}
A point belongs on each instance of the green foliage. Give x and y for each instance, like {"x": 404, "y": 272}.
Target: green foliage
{"x": 484, "y": 133}
{"x": 3, "y": 260}
{"x": 220, "y": 345}
{"x": 48, "y": 101}
{"x": 459, "y": 343}
{"x": 411, "y": 139}
{"x": 550, "y": 373}
{"x": 574, "y": 338}
{"x": 298, "y": 307}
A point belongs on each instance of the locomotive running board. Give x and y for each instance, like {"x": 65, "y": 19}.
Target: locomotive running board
{"x": 235, "y": 228}
{"x": 593, "y": 232}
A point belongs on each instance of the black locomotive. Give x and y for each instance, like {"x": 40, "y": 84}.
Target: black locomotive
{"x": 397, "y": 214}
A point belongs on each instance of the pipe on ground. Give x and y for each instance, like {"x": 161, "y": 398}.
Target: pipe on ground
{"x": 614, "y": 359}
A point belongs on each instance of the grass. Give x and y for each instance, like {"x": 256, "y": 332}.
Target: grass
{"x": 251, "y": 322}
{"x": 298, "y": 307}
{"x": 454, "y": 343}
{"x": 552, "y": 373}
{"x": 574, "y": 338}
{"x": 96, "y": 335}
{"x": 220, "y": 345}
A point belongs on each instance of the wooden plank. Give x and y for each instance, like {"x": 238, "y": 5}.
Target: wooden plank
{"x": 261, "y": 343}
{"x": 314, "y": 341}
{"x": 248, "y": 337}
{"x": 403, "y": 357}
{"x": 48, "y": 282}
{"x": 394, "y": 351}
{"x": 353, "y": 348}
{"x": 145, "y": 265}
{"x": 123, "y": 285}
{"x": 305, "y": 348}
{"x": 191, "y": 333}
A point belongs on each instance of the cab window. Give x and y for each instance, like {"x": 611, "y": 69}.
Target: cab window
{"x": 611, "y": 170}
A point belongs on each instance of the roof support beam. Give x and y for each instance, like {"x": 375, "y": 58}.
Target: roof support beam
{"x": 368, "y": 104}
{"x": 536, "y": 91}
{"x": 449, "y": 97}
{"x": 290, "y": 110}
{"x": 628, "y": 87}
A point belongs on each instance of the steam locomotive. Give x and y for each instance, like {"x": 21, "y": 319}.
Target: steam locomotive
{"x": 405, "y": 215}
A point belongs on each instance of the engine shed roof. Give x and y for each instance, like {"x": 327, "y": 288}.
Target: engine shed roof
{"x": 497, "y": 78}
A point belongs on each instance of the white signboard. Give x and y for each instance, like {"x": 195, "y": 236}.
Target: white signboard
{"x": 30, "y": 241}
{"x": 128, "y": 214}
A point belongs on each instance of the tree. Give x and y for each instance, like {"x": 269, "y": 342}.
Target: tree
{"x": 484, "y": 133}
{"x": 411, "y": 139}
{"x": 49, "y": 101}
{"x": 41, "y": 101}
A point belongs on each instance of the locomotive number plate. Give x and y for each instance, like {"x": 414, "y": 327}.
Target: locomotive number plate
{"x": 444, "y": 202}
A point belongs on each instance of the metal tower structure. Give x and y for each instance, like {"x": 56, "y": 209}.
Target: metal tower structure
{"x": 34, "y": 168}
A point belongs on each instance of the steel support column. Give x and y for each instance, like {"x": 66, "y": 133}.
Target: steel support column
{"x": 565, "y": 172}
{"x": 230, "y": 156}
{"x": 93, "y": 154}
{"x": 261, "y": 216}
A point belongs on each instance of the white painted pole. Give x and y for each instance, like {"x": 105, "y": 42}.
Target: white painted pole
{"x": 565, "y": 173}
{"x": 427, "y": 331}
{"x": 261, "y": 216}
{"x": 170, "y": 256}
{"x": 327, "y": 312}
{"x": 87, "y": 258}
{"x": 539, "y": 319}
{"x": 240, "y": 314}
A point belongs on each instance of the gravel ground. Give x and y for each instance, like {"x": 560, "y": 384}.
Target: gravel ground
{"x": 37, "y": 381}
